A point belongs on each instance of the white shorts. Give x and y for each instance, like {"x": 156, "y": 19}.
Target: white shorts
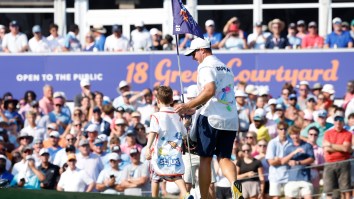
{"x": 195, "y": 165}
{"x": 294, "y": 189}
{"x": 276, "y": 189}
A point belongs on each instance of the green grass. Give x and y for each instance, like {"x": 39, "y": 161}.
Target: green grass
{"x": 16, "y": 193}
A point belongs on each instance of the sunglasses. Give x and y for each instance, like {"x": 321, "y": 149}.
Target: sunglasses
{"x": 340, "y": 119}
{"x": 71, "y": 139}
{"x": 50, "y": 129}
{"x": 249, "y": 137}
{"x": 27, "y": 138}
{"x": 313, "y": 134}
{"x": 58, "y": 105}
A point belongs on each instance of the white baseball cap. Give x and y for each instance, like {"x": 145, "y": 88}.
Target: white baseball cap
{"x": 43, "y": 151}
{"x": 272, "y": 101}
{"x": 113, "y": 156}
{"x": 54, "y": 134}
{"x": 139, "y": 24}
{"x": 240, "y": 93}
{"x": 337, "y": 20}
{"x": 85, "y": 82}
{"x": 92, "y": 128}
{"x": 197, "y": 43}
{"x": 210, "y": 22}
{"x": 251, "y": 89}
{"x": 328, "y": 88}
{"x": 123, "y": 83}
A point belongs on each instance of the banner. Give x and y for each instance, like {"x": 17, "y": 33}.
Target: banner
{"x": 271, "y": 70}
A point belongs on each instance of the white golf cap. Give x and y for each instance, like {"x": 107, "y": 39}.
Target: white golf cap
{"x": 43, "y": 151}
{"x": 251, "y": 89}
{"x": 103, "y": 137}
{"x": 92, "y": 128}
{"x": 123, "y": 83}
{"x": 139, "y": 24}
{"x": 85, "y": 82}
{"x": 304, "y": 83}
{"x": 210, "y": 22}
{"x": 240, "y": 93}
{"x": 272, "y": 101}
{"x": 154, "y": 31}
{"x": 54, "y": 134}
{"x": 328, "y": 88}
{"x": 119, "y": 121}
{"x": 113, "y": 156}
{"x": 337, "y": 20}
{"x": 263, "y": 91}
{"x": 197, "y": 43}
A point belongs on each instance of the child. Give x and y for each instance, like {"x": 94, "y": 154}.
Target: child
{"x": 166, "y": 154}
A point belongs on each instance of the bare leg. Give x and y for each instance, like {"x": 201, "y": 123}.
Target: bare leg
{"x": 204, "y": 176}
{"x": 212, "y": 193}
{"x": 188, "y": 187}
{"x": 154, "y": 189}
{"x": 182, "y": 187}
{"x": 228, "y": 169}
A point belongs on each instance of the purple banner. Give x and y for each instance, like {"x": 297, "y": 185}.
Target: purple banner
{"x": 272, "y": 70}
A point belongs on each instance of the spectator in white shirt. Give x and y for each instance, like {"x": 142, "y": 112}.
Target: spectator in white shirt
{"x": 110, "y": 178}
{"x": 15, "y": 41}
{"x": 38, "y": 43}
{"x": 116, "y": 42}
{"x": 74, "y": 179}
{"x": 2, "y": 35}
{"x": 32, "y": 128}
{"x": 140, "y": 37}
{"x": 56, "y": 42}
{"x": 257, "y": 39}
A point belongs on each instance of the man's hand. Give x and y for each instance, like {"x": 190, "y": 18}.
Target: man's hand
{"x": 182, "y": 108}
{"x": 299, "y": 150}
{"x": 148, "y": 154}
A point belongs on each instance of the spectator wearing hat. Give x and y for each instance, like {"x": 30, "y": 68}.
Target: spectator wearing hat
{"x": 115, "y": 148}
{"x": 71, "y": 42}
{"x": 85, "y": 85}
{"x": 70, "y": 144}
{"x": 98, "y": 150}
{"x": 278, "y": 172}
{"x": 236, "y": 21}
{"x": 320, "y": 124}
{"x": 75, "y": 179}
{"x": 11, "y": 113}
{"x": 29, "y": 176}
{"x": 4, "y": 173}
{"x": 349, "y": 95}
{"x": 352, "y": 29}
{"x": 2, "y": 35}
{"x": 23, "y": 140}
{"x": 130, "y": 142}
{"x": 312, "y": 39}
{"x": 32, "y": 128}
{"x": 304, "y": 90}
{"x": 37, "y": 146}
{"x": 100, "y": 39}
{"x": 310, "y": 105}
{"x": 136, "y": 174}
{"x": 88, "y": 161}
{"x": 128, "y": 98}
{"x": 29, "y": 97}
{"x": 38, "y": 43}
{"x": 21, "y": 165}
{"x": 46, "y": 103}
{"x": 140, "y": 38}
{"x": 252, "y": 93}
{"x": 119, "y": 130}
{"x": 109, "y": 180}
{"x": 294, "y": 40}
{"x": 328, "y": 94}
{"x": 243, "y": 112}
{"x": 117, "y": 42}
{"x": 280, "y": 111}
{"x": 52, "y": 144}
{"x": 298, "y": 155}
{"x": 258, "y": 38}
{"x": 271, "y": 114}
{"x": 103, "y": 127}
{"x": 50, "y": 171}
{"x": 210, "y": 34}
{"x": 319, "y": 158}
{"x": 58, "y": 116}
{"x": 233, "y": 39}
{"x": 345, "y": 26}
{"x": 14, "y": 41}
{"x": 107, "y": 113}
{"x": 135, "y": 119}
{"x": 65, "y": 109}
{"x": 91, "y": 132}
{"x": 259, "y": 125}
{"x": 89, "y": 45}
{"x": 338, "y": 38}
{"x": 56, "y": 41}
{"x": 275, "y": 40}
{"x": 156, "y": 37}
{"x": 145, "y": 107}
{"x": 301, "y": 28}
{"x": 337, "y": 146}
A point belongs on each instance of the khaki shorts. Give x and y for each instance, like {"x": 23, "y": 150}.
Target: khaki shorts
{"x": 195, "y": 165}
{"x": 250, "y": 189}
{"x": 276, "y": 189}
{"x": 336, "y": 176}
{"x": 294, "y": 189}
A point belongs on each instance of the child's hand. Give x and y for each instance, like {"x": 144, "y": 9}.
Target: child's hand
{"x": 148, "y": 154}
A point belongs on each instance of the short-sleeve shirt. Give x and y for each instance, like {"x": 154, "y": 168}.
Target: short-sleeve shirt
{"x": 116, "y": 44}
{"x": 133, "y": 172}
{"x": 72, "y": 43}
{"x": 106, "y": 174}
{"x": 56, "y": 43}
{"x": 339, "y": 40}
{"x": 14, "y": 43}
{"x": 313, "y": 41}
{"x": 260, "y": 39}
{"x": 53, "y": 117}
{"x": 298, "y": 172}
{"x": 335, "y": 137}
{"x": 74, "y": 180}
{"x": 38, "y": 46}
{"x": 99, "y": 43}
{"x": 167, "y": 149}
{"x": 322, "y": 130}
{"x": 215, "y": 38}
{"x": 234, "y": 43}
{"x": 91, "y": 164}
{"x": 51, "y": 175}
{"x": 245, "y": 167}
{"x": 221, "y": 108}
{"x": 141, "y": 41}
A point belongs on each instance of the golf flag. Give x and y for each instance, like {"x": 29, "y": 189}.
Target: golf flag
{"x": 183, "y": 22}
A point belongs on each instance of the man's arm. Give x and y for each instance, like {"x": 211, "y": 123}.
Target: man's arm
{"x": 90, "y": 187}
{"x": 275, "y": 162}
{"x": 329, "y": 147}
{"x": 139, "y": 181}
{"x": 287, "y": 158}
{"x": 37, "y": 172}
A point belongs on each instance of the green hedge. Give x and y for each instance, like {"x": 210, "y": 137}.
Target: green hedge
{"x": 15, "y": 193}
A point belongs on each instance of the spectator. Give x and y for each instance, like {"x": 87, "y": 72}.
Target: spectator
{"x": 271, "y": 114}
{"x": 37, "y": 146}
{"x": 236, "y": 21}
{"x": 117, "y": 42}
{"x": 275, "y": 40}
{"x": 328, "y": 94}
{"x": 29, "y": 97}
{"x": 32, "y": 128}
{"x": 53, "y": 144}
{"x": 103, "y": 126}
{"x": 125, "y": 158}
{"x": 258, "y": 38}
{"x": 136, "y": 174}
{"x": 167, "y": 43}
{"x": 337, "y": 146}
{"x": 319, "y": 159}
{"x": 46, "y": 103}
{"x": 71, "y": 42}
{"x": 213, "y": 36}
{"x": 156, "y": 36}
{"x": 50, "y": 171}
{"x": 294, "y": 40}
{"x": 100, "y": 39}
{"x": 304, "y": 89}
{"x": 24, "y": 140}
{"x": 141, "y": 137}
{"x": 89, "y": 162}
{"x": 312, "y": 39}
{"x": 301, "y": 28}
{"x": 352, "y": 29}
{"x": 10, "y": 112}
{"x": 61, "y": 156}
{"x": 259, "y": 125}
{"x": 89, "y": 45}
{"x": 185, "y": 42}
{"x": 56, "y": 41}
{"x": 243, "y": 112}
{"x": 250, "y": 174}
{"x": 58, "y": 116}
{"x": 278, "y": 174}
{"x": 127, "y": 97}
{"x": 130, "y": 142}
{"x": 74, "y": 179}
{"x": 338, "y": 38}
{"x": 91, "y": 132}
{"x": 65, "y": 109}
{"x": 38, "y": 43}
{"x": 140, "y": 37}
{"x": 4, "y": 173}
{"x": 320, "y": 124}
{"x": 146, "y": 108}
{"x": 252, "y": 93}
{"x": 345, "y": 26}
{"x": 14, "y": 41}
{"x": 85, "y": 85}
{"x": 298, "y": 155}
{"x": 2, "y": 35}
{"x": 349, "y": 95}
{"x": 261, "y": 156}
{"x": 99, "y": 150}
{"x": 233, "y": 40}
{"x": 109, "y": 179}
{"x": 310, "y": 105}
{"x": 108, "y": 113}
{"x": 316, "y": 89}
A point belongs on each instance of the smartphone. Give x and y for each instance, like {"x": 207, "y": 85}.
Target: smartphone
{"x": 112, "y": 176}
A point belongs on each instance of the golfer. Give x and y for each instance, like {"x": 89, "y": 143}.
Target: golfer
{"x": 217, "y": 122}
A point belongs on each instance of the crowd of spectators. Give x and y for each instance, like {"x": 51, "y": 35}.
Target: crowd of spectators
{"x": 270, "y": 36}
{"x": 97, "y": 145}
